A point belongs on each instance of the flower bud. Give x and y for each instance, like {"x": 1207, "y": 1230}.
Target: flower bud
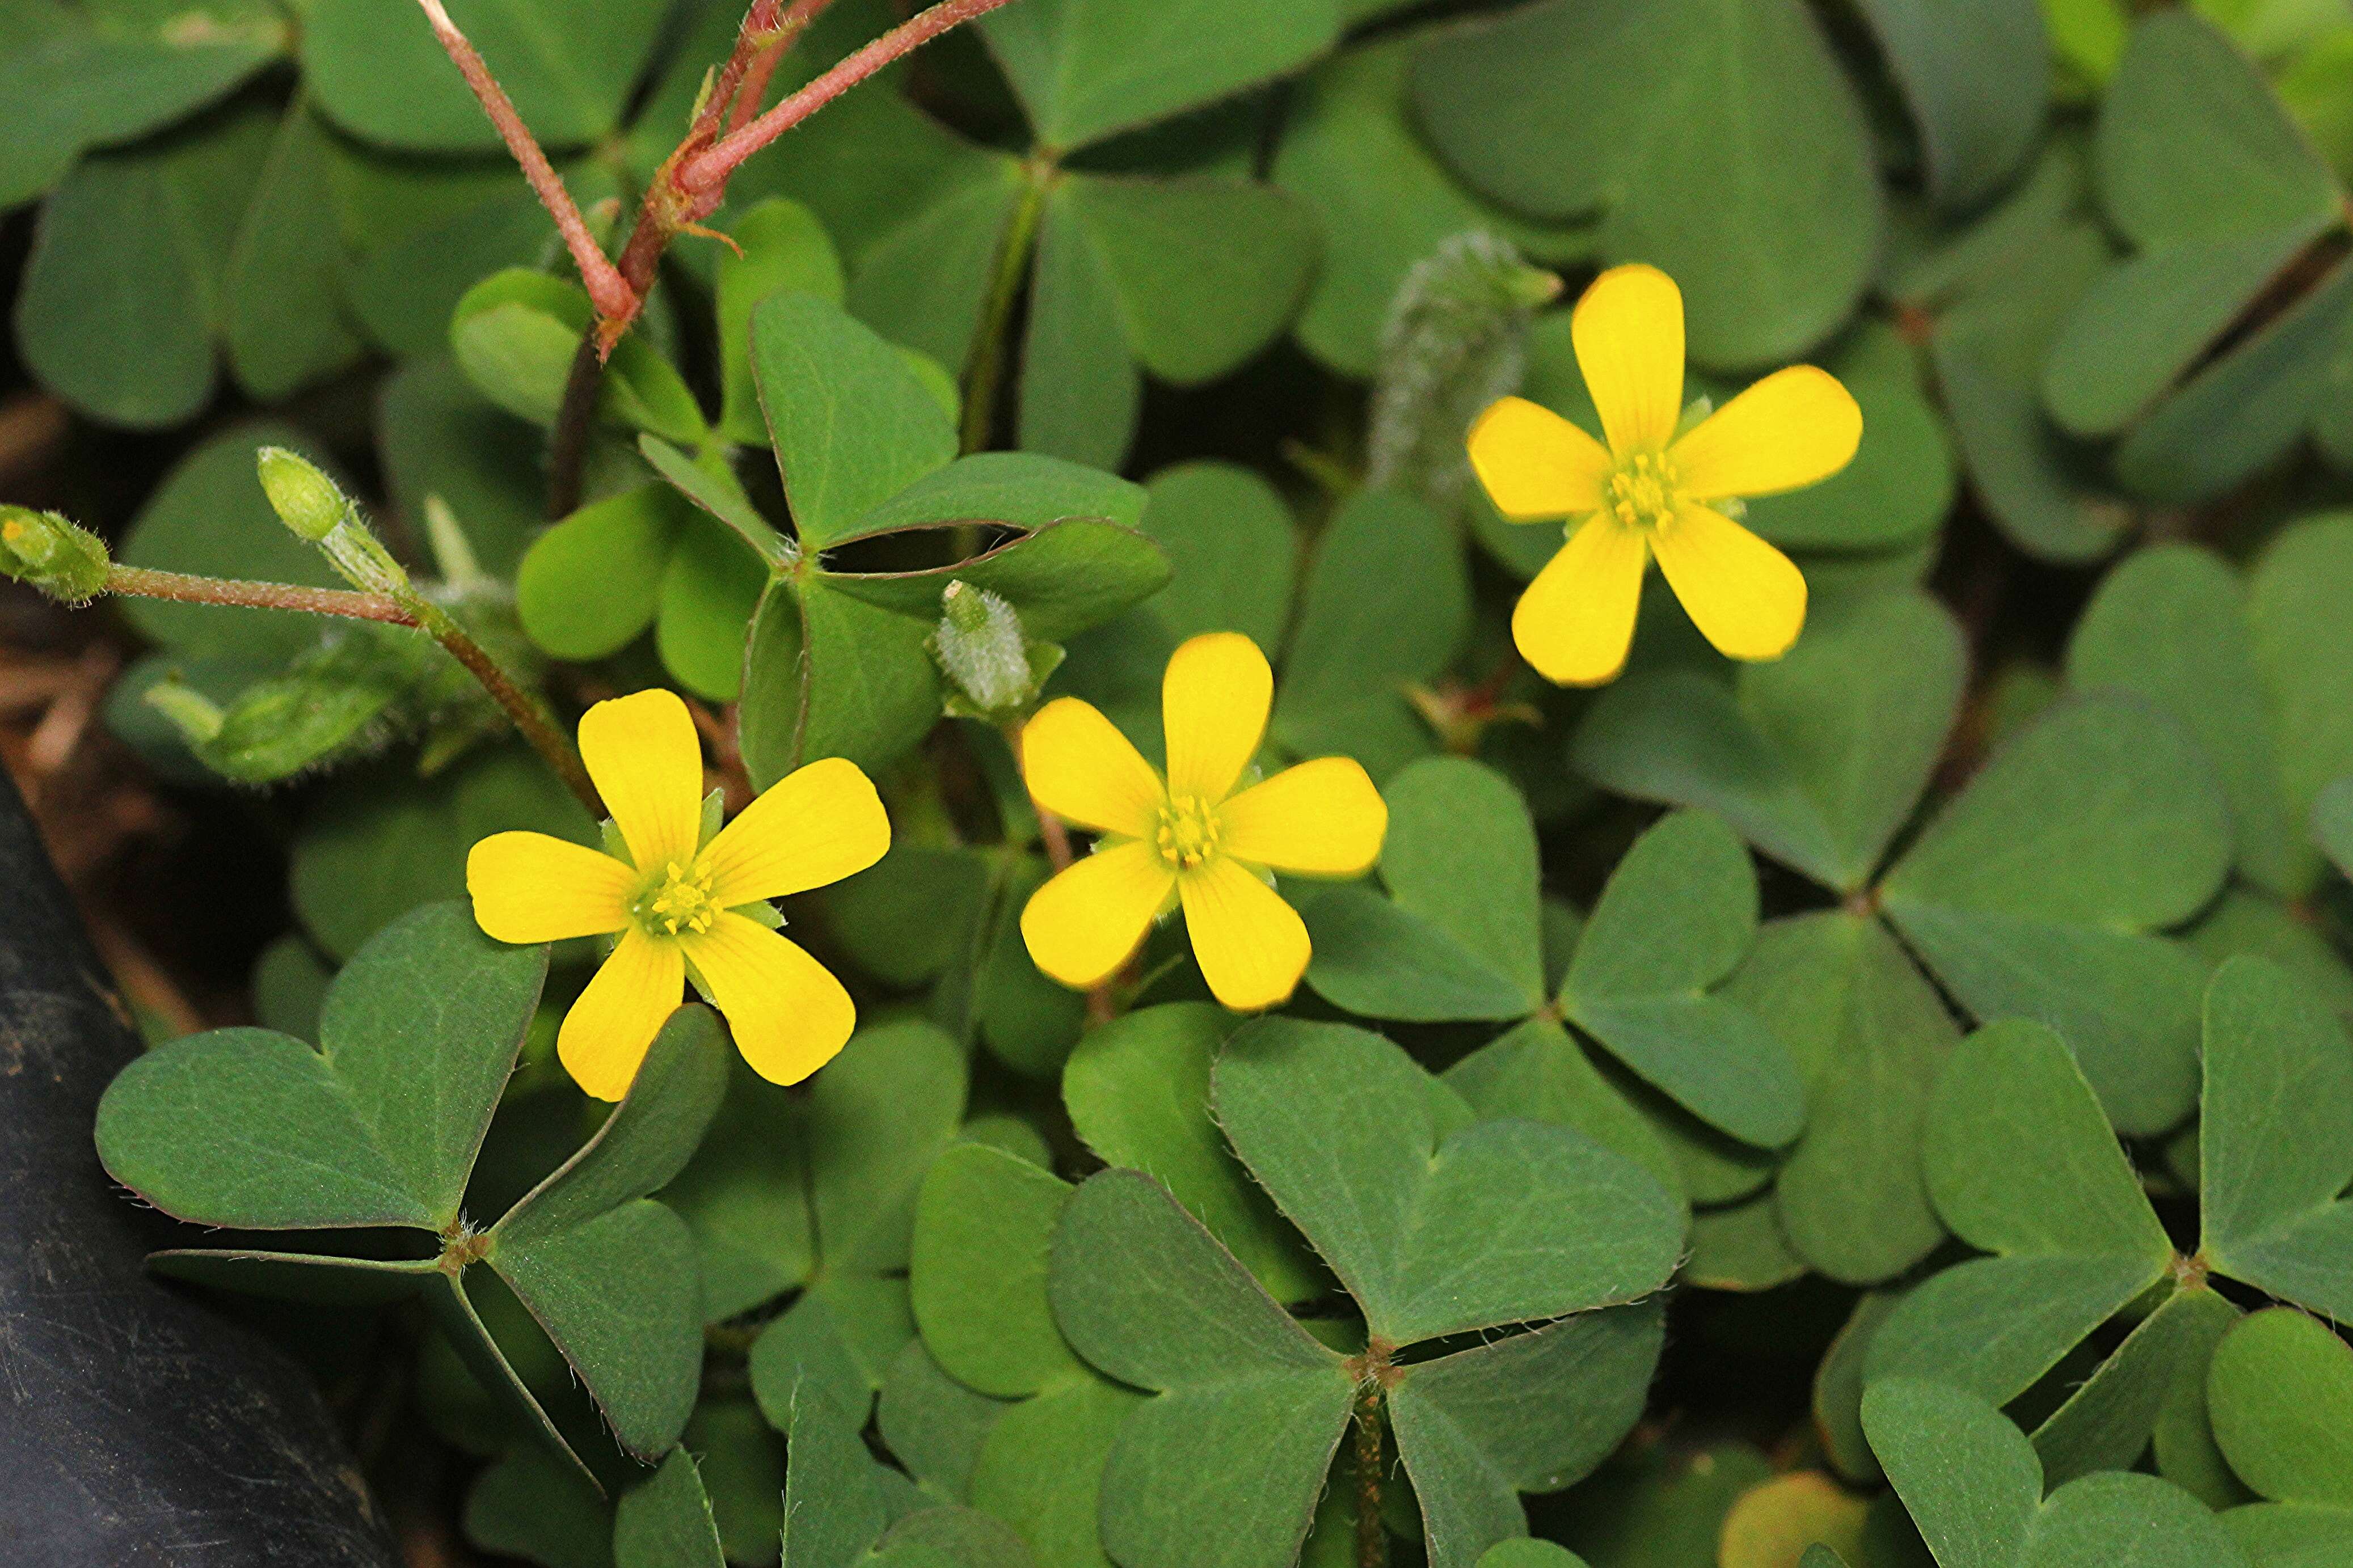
{"x": 993, "y": 670}
{"x": 304, "y": 498}
{"x": 65, "y": 562}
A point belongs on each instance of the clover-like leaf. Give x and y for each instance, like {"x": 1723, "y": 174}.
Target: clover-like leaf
{"x": 2035, "y": 1177}
{"x": 1676, "y": 917}
{"x": 1975, "y": 1488}
{"x": 1410, "y": 1202}
{"x": 2280, "y": 1395}
{"x": 2036, "y": 892}
{"x": 666, "y": 1522}
{"x": 2276, "y": 1142}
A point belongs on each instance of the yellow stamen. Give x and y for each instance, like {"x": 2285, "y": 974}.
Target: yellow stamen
{"x": 1644, "y": 491}
{"x": 1188, "y": 832}
{"x": 679, "y": 901}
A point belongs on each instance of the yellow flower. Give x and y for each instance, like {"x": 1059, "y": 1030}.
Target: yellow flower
{"x": 676, "y": 900}
{"x": 1191, "y": 839}
{"x": 1648, "y": 492}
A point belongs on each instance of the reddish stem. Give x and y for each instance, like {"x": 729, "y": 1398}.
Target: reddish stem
{"x": 144, "y": 582}
{"x": 707, "y": 170}
{"x": 607, "y": 291}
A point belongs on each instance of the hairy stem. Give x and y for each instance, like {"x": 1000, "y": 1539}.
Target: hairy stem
{"x": 986, "y": 376}
{"x": 141, "y": 582}
{"x": 523, "y": 710}
{"x": 606, "y": 289}
{"x": 1372, "y": 1540}
{"x": 710, "y": 168}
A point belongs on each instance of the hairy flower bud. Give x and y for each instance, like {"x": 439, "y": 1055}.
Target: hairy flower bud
{"x": 993, "y": 670}
{"x": 66, "y": 561}
{"x": 304, "y": 498}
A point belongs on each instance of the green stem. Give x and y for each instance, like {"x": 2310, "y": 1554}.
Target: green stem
{"x": 144, "y": 583}
{"x": 527, "y": 712}
{"x": 987, "y": 374}
{"x": 1372, "y": 1540}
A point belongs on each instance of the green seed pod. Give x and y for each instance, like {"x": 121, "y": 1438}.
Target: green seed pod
{"x": 64, "y": 560}
{"x": 993, "y": 671}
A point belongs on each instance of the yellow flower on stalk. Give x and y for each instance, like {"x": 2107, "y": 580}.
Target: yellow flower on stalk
{"x": 1653, "y": 492}
{"x": 678, "y": 903}
{"x": 1192, "y": 839}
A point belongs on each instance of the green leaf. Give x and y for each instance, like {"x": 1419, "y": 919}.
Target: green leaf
{"x": 782, "y": 247}
{"x": 1064, "y": 579}
{"x": 2193, "y": 142}
{"x": 608, "y": 1273}
{"x": 1676, "y": 917}
{"x": 1380, "y": 960}
{"x": 530, "y": 1505}
{"x": 1082, "y": 390}
{"x": 1040, "y": 1468}
{"x": 1085, "y": 69}
{"x": 1462, "y": 855}
{"x": 123, "y": 295}
{"x": 1192, "y": 304}
{"x": 590, "y": 586}
{"x": 1870, "y": 1038}
{"x": 1976, "y": 84}
{"x": 2090, "y": 1522}
{"x": 2029, "y": 895}
{"x": 1427, "y": 1226}
{"x": 852, "y": 422}
{"x": 1350, "y": 150}
{"x": 2034, "y": 1170}
{"x": 1137, "y": 1090}
{"x": 2106, "y": 1424}
{"x": 838, "y": 1498}
{"x": 2305, "y": 649}
{"x": 2170, "y": 624}
{"x": 283, "y": 317}
{"x": 1147, "y": 1296}
{"x": 1969, "y": 1477}
{"x": 1536, "y": 1072}
{"x": 1769, "y": 217}
{"x": 515, "y": 334}
{"x": 248, "y": 1129}
{"x": 933, "y": 1424}
{"x": 1233, "y": 550}
{"x": 2275, "y": 1143}
{"x": 667, "y": 1521}
{"x": 380, "y": 73}
{"x": 1533, "y": 1412}
{"x": 1012, "y": 489}
{"x": 1387, "y": 604}
{"x": 2035, "y": 1176}
{"x": 826, "y": 674}
{"x": 2280, "y": 1392}
{"x": 1818, "y": 758}
{"x": 2331, "y": 823}
{"x": 90, "y": 77}
{"x": 982, "y": 1227}
{"x": 1901, "y": 482}
{"x": 379, "y": 843}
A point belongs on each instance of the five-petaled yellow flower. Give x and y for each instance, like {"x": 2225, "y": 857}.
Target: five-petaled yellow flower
{"x": 675, "y": 901}
{"x": 1649, "y": 492}
{"x": 1192, "y": 839}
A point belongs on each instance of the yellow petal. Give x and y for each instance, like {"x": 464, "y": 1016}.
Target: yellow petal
{"x": 1745, "y": 597}
{"x": 1214, "y": 701}
{"x": 1576, "y": 621}
{"x": 529, "y": 886}
{"x": 816, "y": 826}
{"x": 1535, "y": 465}
{"x": 1628, "y": 332}
{"x": 1796, "y": 428}
{"x": 788, "y": 1014}
{"x": 1324, "y": 818}
{"x": 1251, "y": 946}
{"x": 1078, "y": 766}
{"x": 1086, "y": 923}
{"x": 606, "y": 1034}
{"x": 642, "y": 752}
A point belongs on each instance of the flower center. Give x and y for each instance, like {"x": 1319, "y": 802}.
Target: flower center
{"x": 1644, "y": 491}
{"x": 1188, "y": 832}
{"x": 679, "y": 902}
